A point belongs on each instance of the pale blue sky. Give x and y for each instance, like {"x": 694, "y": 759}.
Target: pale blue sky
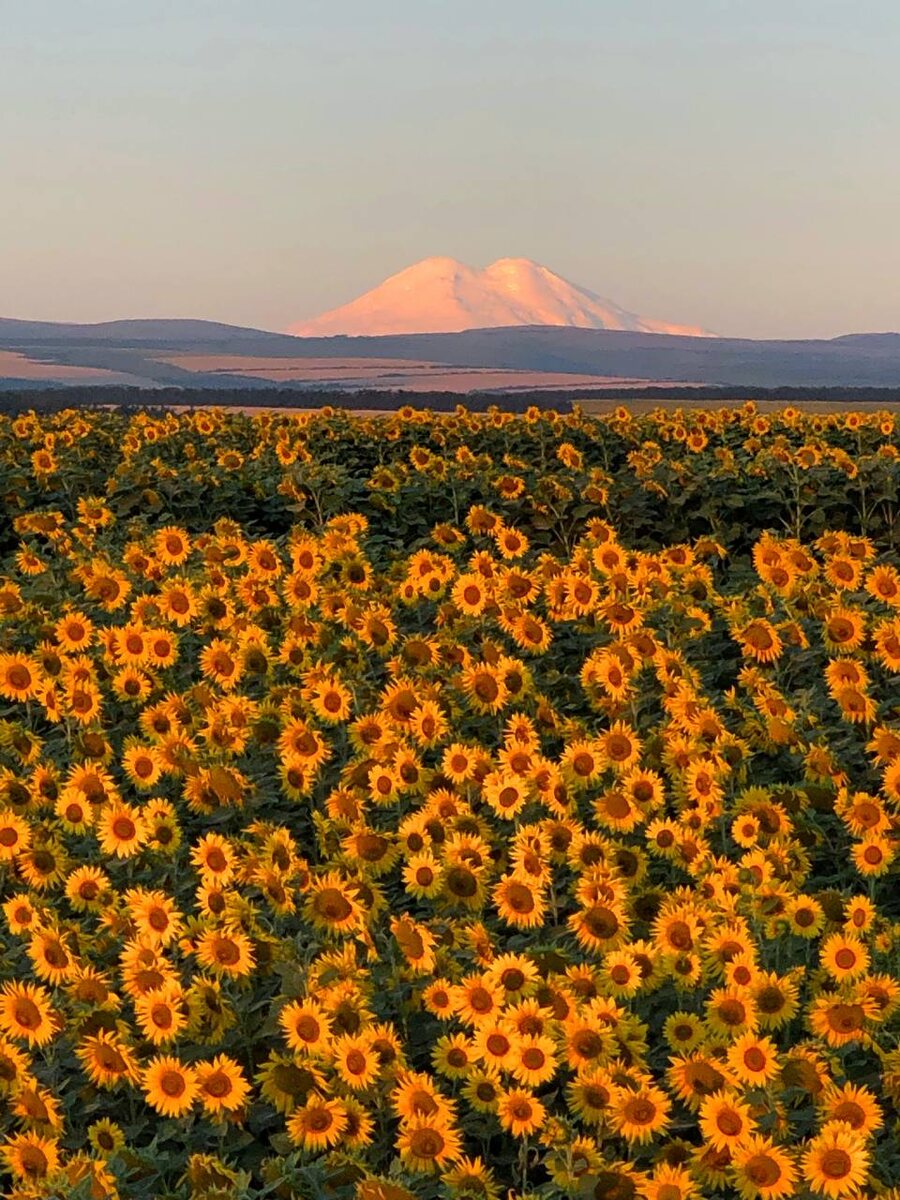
{"x": 716, "y": 162}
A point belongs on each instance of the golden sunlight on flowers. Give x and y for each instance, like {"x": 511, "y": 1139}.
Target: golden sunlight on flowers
{"x": 459, "y": 806}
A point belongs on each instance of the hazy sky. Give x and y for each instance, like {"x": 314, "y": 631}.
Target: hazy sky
{"x": 727, "y": 163}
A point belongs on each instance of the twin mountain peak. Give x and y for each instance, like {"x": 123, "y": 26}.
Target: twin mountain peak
{"x": 441, "y": 295}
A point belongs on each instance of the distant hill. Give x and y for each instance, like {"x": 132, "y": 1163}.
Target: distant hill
{"x": 181, "y": 353}
{"x": 441, "y": 295}
{"x": 168, "y": 331}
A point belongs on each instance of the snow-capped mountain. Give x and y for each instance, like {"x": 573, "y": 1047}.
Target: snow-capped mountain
{"x": 441, "y": 295}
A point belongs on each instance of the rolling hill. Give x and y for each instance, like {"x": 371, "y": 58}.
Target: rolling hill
{"x": 207, "y": 354}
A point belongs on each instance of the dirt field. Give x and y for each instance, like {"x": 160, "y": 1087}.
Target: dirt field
{"x": 14, "y": 365}
{"x": 393, "y": 373}
{"x": 602, "y": 405}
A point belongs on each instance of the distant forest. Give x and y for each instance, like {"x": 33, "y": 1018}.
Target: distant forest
{"x": 42, "y": 398}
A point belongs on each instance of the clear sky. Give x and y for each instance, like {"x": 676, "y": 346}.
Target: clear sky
{"x": 727, "y": 163}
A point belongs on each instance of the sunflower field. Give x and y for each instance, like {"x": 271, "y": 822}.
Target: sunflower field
{"x": 449, "y": 806}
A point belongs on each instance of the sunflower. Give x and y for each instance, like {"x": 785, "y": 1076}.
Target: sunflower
{"x": 506, "y": 794}
{"x": 220, "y": 664}
{"x": 694, "y": 1077}
{"x": 428, "y": 724}
{"x": 591, "y": 1095}
{"x": 15, "y": 835}
{"x": 753, "y": 1059}
{"x": 144, "y": 968}
{"x": 74, "y": 632}
{"x": 759, "y": 640}
{"x": 805, "y": 916}
{"x": 887, "y": 644}
{"x": 463, "y": 886}
{"x": 21, "y": 914}
{"x": 172, "y": 545}
{"x": 331, "y": 701}
{"x": 599, "y": 927}
{"x": 470, "y": 1177}
{"x": 226, "y": 951}
{"x": 20, "y": 677}
{"x": 494, "y": 1043}
{"x": 132, "y": 644}
{"x": 620, "y": 746}
{"x": 43, "y": 867}
{"x": 840, "y": 1021}
{"x": 371, "y": 852}
{"x": 106, "y": 1137}
{"x": 318, "y": 1124}
{"x": 459, "y": 761}
{"x": 160, "y": 1014}
{"x": 107, "y": 1059}
{"x": 417, "y": 943}
{"x": 873, "y": 855}
{"x": 854, "y": 1106}
{"x": 533, "y": 1060}
{"x": 178, "y": 601}
{"x": 422, "y": 876}
{"x": 855, "y": 705}
{"x": 639, "y": 1115}
{"x": 520, "y": 1112}
{"x": 836, "y": 1163}
{"x": 485, "y": 688}
{"x": 844, "y": 957}
{"x": 52, "y": 957}
{"x": 215, "y": 858}
{"x": 516, "y": 974}
{"x": 860, "y": 914}
{"x": 622, "y": 973}
{"x": 306, "y": 1025}
{"x": 725, "y": 1121}
{"x": 670, "y": 1182}
{"x": 37, "y": 1106}
{"x": 120, "y": 830}
{"x": 454, "y": 1056}
{"x": 683, "y": 1031}
{"x": 75, "y": 813}
{"x": 511, "y": 543}
{"x": 15, "y": 1067}
{"x": 169, "y": 1086}
{"x": 477, "y": 999}
{"x": 157, "y": 919}
{"x": 776, "y": 999}
{"x": 844, "y": 573}
{"x": 222, "y": 1086}
{"x": 85, "y": 704}
{"x": 331, "y": 906}
{"x": 355, "y": 1061}
{"x": 844, "y": 630}
{"x": 30, "y": 1156}
{"x": 761, "y": 1170}
{"x": 471, "y": 594}
{"x": 427, "y": 1143}
{"x": 417, "y": 1096}
{"x": 883, "y": 583}
{"x": 26, "y": 1013}
{"x": 284, "y": 1084}
{"x": 617, "y": 810}
{"x": 530, "y": 632}
{"x": 730, "y": 1011}
{"x": 142, "y": 764}
{"x": 162, "y": 649}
